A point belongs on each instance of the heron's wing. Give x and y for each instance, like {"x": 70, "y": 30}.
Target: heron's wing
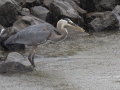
{"x": 32, "y": 35}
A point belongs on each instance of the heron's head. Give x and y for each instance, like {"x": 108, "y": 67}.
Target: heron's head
{"x": 68, "y": 23}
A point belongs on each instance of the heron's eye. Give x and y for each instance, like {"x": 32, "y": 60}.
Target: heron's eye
{"x": 69, "y": 21}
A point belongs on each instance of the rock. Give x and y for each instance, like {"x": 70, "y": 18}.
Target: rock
{"x": 116, "y": 11}
{"x": 77, "y": 2}
{"x": 30, "y": 1}
{"x": 25, "y": 12}
{"x": 40, "y": 12}
{"x": 73, "y": 3}
{"x": 15, "y": 57}
{"x": 15, "y": 63}
{"x": 14, "y": 67}
{"x": 98, "y": 5}
{"x": 89, "y": 6}
{"x": 47, "y": 3}
{"x": 105, "y": 5}
{"x": 18, "y": 1}
{"x": 76, "y": 7}
{"x": 2, "y": 2}
{"x": 100, "y": 21}
{"x": 8, "y": 14}
{"x": 15, "y": 2}
{"x": 25, "y": 21}
{"x": 61, "y": 9}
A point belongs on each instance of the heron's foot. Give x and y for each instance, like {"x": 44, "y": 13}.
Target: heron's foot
{"x": 31, "y": 59}
{"x": 31, "y": 66}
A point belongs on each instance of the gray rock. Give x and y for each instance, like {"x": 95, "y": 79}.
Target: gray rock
{"x": 64, "y": 8}
{"x": 77, "y": 2}
{"x": 47, "y": 3}
{"x": 15, "y": 63}
{"x": 8, "y": 14}
{"x": 100, "y": 21}
{"x": 61, "y": 9}
{"x": 40, "y": 12}
{"x": 15, "y": 57}
{"x": 30, "y": 1}
{"x": 99, "y": 5}
{"x": 76, "y": 7}
{"x": 18, "y": 1}
{"x": 88, "y": 5}
{"x": 106, "y": 4}
{"x": 25, "y": 12}
{"x": 14, "y": 67}
{"x": 2, "y": 2}
{"x": 25, "y": 21}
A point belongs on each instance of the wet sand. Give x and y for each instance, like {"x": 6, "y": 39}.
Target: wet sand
{"x": 90, "y": 63}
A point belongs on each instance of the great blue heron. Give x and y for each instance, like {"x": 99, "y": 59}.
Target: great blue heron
{"x": 39, "y": 34}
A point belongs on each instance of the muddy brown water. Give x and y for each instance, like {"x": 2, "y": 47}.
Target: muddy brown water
{"x": 90, "y": 62}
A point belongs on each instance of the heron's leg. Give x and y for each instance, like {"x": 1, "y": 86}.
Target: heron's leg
{"x": 31, "y": 56}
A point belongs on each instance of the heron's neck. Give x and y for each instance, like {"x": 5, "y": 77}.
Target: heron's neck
{"x": 61, "y": 27}
{"x": 63, "y": 31}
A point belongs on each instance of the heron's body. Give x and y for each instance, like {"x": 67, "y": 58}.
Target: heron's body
{"x": 34, "y": 35}
{"x": 38, "y": 34}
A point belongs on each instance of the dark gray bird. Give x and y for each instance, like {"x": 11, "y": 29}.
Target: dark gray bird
{"x": 39, "y": 34}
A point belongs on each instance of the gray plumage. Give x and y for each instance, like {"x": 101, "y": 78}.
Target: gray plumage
{"x": 32, "y": 35}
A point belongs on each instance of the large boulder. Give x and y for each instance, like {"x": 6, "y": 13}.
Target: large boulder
{"x": 106, "y": 4}
{"x": 98, "y": 5}
{"x": 88, "y": 5}
{"x": 99, "y": 21}
{"x": 25, "y": 21}
{"x": 40, "y": 12}
{"x": 8, "y": 14}
{"x": 61, "y": 9}
{"x": 2, "y": 2}
{"x": 15, "y": 63}
{"x": 31, "y": 3}
{"x": 81, "y": 11}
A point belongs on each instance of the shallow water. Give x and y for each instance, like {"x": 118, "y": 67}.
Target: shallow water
{"x": 89, "y": 62}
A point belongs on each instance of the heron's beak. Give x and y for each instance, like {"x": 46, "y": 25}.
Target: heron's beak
{"x": 77, "y": 27}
